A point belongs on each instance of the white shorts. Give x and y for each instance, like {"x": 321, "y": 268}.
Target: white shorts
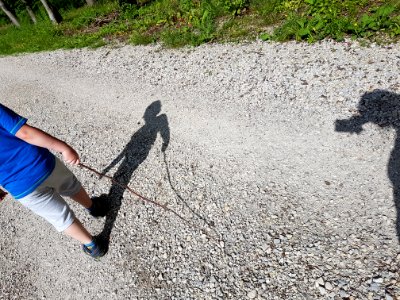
{"x": 47, "y": 201}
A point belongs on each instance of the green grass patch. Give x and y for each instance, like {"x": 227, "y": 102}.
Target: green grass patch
{"x": 314, "y": 20}
{"x": 176, "y": 23}
{"x": 85, "y": 16}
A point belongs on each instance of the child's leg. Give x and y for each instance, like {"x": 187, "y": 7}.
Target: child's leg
{"x": 47, "y": 203}
{"x": 82, "y": 198}
{"x": 78, "y": 232}
{"x": 97, "y": 207}
{"x": 66, "y": 184}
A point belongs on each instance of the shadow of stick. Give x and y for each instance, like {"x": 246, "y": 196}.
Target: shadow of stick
{"x": 210, "y": 224}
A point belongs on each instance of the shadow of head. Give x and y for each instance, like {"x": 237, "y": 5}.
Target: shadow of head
{"x": 379, "y": 107}
{"x": 152, "y": 111}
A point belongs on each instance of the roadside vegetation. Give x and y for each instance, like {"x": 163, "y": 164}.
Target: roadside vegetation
{"x": 176, "y": 23}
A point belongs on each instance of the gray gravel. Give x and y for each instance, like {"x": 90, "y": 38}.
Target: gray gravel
{"x": 296, "y": 209}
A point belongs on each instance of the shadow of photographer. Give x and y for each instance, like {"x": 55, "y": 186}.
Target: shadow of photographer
{"x": 130, "y": 158}
{"x": 382, "y": 108}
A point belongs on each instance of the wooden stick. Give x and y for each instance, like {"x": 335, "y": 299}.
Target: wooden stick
{"x": 144, "y": 199}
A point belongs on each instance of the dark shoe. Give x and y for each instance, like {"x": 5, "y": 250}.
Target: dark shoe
{"x": 98, "y": 250}
{"x": 100, "y": 206}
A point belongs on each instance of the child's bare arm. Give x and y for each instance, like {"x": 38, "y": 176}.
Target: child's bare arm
{"x": 40, "y": 138}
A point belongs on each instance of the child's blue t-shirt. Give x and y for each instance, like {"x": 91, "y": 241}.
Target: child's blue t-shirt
{"x": 23, "y": 167}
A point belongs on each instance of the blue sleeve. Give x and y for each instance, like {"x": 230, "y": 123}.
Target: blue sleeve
{"x": 9, "y": 120}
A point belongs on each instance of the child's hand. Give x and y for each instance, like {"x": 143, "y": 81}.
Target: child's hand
{"x": 70, "y": 156}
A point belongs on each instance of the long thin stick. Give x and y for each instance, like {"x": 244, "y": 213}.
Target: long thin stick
{"x": 163, "y": 206}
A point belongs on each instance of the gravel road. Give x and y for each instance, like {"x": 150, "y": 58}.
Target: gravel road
{"x": 286, "y": 155}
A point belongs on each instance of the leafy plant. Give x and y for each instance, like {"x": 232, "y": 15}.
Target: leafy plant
{"x": 289, "y": 6}
{"x": 177, "y": 23}
{"x": 318, "y": 19}
{"x": 236, "y": 7}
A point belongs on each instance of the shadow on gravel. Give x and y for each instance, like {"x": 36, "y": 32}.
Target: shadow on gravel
{"x": 134, "y": 153}
{"x": 210, "y": 224}
{"x": 382, "y": 108}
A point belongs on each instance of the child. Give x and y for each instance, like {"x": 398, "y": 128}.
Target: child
{"x": 38, "y": 180}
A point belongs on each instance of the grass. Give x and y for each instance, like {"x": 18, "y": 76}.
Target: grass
{"x": 313, "y": 20}
{"x": 177, "y": 23}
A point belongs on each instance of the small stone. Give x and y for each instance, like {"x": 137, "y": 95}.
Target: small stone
{"x": 377, "y": 279}
{"x": 343, "y": 294}
{"x": 319, "y": 282}
{"x": 374, "y": 287}
{"x": 322, "y": 290}
{"x": 252, "y": 294}
{"x": 342, "y": 283}
{"x": 370, "y": 296}
{"x": 328, "y": 286}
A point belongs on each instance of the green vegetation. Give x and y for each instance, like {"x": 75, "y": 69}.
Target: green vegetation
{"x": 176, "y": 23}
{"x": 314, "y": 20}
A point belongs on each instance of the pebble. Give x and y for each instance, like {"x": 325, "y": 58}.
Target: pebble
{"x": 388, "y": 297}
{"x": 377, "y": 279}
{"x": 328, "y": 286}
{"x": 319, "y": 282}
{"x": 374, "y": 287}
{"x": 252, "y": 294}
{"x": 343, "y": 294}
{"x": 322, "y": 291}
